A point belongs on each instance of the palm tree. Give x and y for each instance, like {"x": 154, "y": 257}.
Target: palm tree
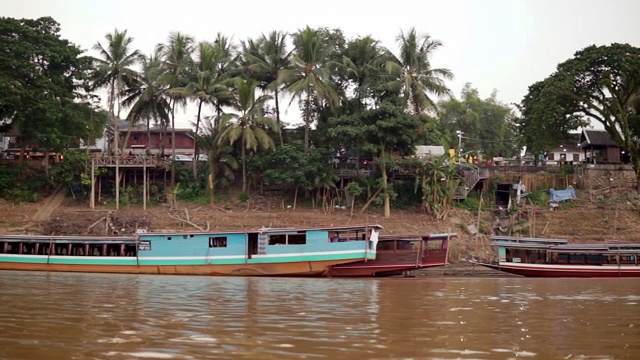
{"x": 364, "y": 65}
{"x": 417, "y": 79}
{"x": 113, "y": 70}
{"x": 176, "y": 54}
{"x": 309, "y": 75}
{"x": 250, "y": 126}
{"x": 205, "y": 86}
{"x": 265, "y": 59}
{"x": 146, "y": 96}
{"x": 226, "y": 66}
{"x": 220, "y": 159}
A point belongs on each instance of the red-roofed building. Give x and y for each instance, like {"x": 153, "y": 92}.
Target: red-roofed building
{"x": 139, "y": 141}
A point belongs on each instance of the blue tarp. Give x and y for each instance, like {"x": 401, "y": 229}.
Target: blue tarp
{"x": 561, "y": 195}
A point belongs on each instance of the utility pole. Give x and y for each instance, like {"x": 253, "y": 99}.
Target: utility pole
{"x": 459, "y": 132}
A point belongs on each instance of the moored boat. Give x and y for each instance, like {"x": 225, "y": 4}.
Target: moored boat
{"x": 397, "y": 254}
{"x": 535, "y": 257}
{"x": 266, "y": 251}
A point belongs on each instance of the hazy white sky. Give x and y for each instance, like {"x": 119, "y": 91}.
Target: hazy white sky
{"x": 494, "y": 44}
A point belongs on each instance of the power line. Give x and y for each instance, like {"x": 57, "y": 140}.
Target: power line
{"x": 489, "y": 141}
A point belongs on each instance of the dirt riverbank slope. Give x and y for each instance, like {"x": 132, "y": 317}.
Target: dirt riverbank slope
{"x": 592, "y": 217}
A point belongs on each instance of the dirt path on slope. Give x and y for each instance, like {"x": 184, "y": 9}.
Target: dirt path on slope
{"x": 50, "y": 204}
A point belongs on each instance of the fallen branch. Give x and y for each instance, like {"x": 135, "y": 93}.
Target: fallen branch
{"x": 94, "y": 224}
{"x": 370, "y": 200}
{"x": 181, "y": 220}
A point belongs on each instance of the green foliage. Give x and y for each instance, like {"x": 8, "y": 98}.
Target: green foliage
{"x": 470, "y": 203}
{"x": 15, "y": 188}
{"x": 40, "y": 74}
{"x": 486, "y": 123}
{"x": 354, "y": 189}
{"x": 243, "y": 196}
{"x": 403, "y": 196}
{"x": 250, "y": 126}
{"x": 413, "y": 72}
{"x": 540, "y": 198}
{"x": 126, "y": 195}
{"x": 384, "y": 130}
{"x": 600, "y": 83}
{"x": 437, "y": 181}
{"x": 289, "y": 168}
{"x": 188, "y": 189}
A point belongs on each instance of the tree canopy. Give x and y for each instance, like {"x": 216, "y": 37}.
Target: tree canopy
{"x": 601, "y": 84}
{"x": 41, "y": 80}
{"x": 486, "y": 124}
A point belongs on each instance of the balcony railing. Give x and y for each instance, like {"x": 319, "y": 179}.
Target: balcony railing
{"x": 128, "y": 161}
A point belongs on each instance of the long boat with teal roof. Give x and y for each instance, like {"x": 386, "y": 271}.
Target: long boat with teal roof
{"x": 263, "y": 252}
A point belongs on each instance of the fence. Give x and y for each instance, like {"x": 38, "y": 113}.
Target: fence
{"x": 542, "y": 181}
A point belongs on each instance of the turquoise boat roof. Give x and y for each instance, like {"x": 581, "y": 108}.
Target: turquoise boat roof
{"x": 264, "y": 230}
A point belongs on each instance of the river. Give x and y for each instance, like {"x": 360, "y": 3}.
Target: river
{"x": 93, "y": 316}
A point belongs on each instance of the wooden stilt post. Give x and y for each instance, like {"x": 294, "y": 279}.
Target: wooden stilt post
{"x": 144, "y": 183}
{"x": 117, "y": 179}
{"x": 92, "y": 200}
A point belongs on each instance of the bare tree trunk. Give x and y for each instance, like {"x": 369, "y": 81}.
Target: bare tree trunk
{"x": 173, "y": 143}
{"x": 196, "y": 150}
{"x": 307, "y": 123}
{"x": 149, "y": 145}
{"x": 278, "y": 116}
{"x": 244, "y": 167}
{"x": 116, "y": 135}
{"x": 387, "y": 200}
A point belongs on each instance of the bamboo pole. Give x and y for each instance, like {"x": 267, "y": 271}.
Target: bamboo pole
{"x": 144, "y": 183}
{"x": 92, "y": 200}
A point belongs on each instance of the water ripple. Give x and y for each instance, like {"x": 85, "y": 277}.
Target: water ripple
{"x": 81, "y": 316}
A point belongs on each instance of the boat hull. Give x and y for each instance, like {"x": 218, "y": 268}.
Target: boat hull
{"x": 370, "y": 268}
{"x": 390, "y": 263}
{"x": 303, "y": 268}
{"x": 566, "y": 271}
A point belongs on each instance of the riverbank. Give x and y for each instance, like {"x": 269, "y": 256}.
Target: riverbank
{"x": 461, "y": 269}
{"x": 588, "y": 218}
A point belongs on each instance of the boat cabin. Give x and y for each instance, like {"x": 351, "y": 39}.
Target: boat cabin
{"x": 557, "y": 251}
{"x": 68, "y": 245}
{"x": 265, "y": 243}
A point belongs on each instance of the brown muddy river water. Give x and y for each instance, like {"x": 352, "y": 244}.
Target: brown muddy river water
{"x": 85, "y": 316}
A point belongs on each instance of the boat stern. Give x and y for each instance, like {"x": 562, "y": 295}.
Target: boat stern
{"x": 372, "y": 245}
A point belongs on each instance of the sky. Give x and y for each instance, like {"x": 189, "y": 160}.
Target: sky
{"x": 504, "y": 45}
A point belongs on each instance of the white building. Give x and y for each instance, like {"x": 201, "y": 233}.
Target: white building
{"x": 565, "y": 153}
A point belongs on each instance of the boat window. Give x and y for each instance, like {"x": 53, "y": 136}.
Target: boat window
{"x": 386, "y": 245}
{"x": 297, "y": 239}
{"x": 438, "y": 244}
{"x": 218, "y": 241}
{"x": 405, "y": 245}
{"x": 596, "y": 259}
{"x": 280, "y": 239}
{"x": 75, "y": 248}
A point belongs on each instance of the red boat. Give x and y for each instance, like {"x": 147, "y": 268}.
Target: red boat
{"x": 397, "y": 254}
{"x": 533, "y": 257}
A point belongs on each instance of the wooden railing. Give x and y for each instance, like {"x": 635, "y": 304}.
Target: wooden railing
{"x": 469, "y": 181}
{"x": 128, "y": 161}
{"x": 352, "y": 173}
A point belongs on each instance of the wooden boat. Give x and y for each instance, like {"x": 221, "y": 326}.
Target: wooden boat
{"x": 397, "y": 254}
{"x": 267, "y": 251}
{"x": 534, "y": 257}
